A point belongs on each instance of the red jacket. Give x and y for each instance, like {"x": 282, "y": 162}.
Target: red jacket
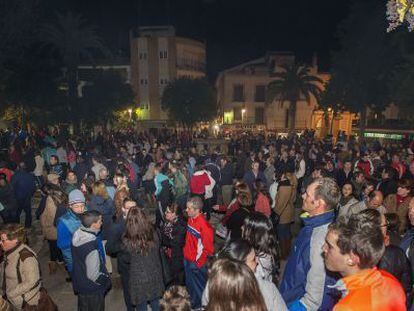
{"x": 198, "y": 240}
{"x": 198, "y": 182}
{"x": 230, "y": 209}
{"x": 371, "y": 290}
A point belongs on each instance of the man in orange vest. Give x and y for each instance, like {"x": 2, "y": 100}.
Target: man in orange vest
{"x": 353, "y": 248}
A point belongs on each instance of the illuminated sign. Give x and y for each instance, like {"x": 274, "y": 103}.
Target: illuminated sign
{"x": 384, "y": 136}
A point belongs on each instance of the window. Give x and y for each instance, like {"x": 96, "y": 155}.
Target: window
{"x": 143, "y": 81}
{"x": 260, "y": 94}
{"x": 238, "y": 93}
{"x": 163, "y": 54}
{"x": 163, "y": 81}
{"x": 142, "y": 55}
{"x": 259, "y": 115}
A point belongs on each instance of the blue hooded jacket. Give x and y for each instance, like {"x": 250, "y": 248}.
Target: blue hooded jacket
{"x": 66, "y": 227}
{"x": 305, "y": 281}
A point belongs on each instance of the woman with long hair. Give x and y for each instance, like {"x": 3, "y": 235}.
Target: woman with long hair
{"x": 259, "y": 232}
{"x": 232, "y": 286}
{"x": 145, "y": 273}
{"x": 235, "y": 222}
{"x": 119, "y": 198}
{"x": 347, "y": 199}
{"x": 242, "y": 251}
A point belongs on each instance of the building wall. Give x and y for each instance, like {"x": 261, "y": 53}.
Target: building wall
{"x": 157, "y": 58}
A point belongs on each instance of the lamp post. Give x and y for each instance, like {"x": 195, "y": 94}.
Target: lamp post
{"x": 130, "y": 114}
{"x": 243, "y": 111}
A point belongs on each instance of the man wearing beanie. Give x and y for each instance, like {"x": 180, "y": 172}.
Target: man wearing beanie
{"x": 68, "y": 224}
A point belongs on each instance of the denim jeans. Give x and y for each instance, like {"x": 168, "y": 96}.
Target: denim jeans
{"x": 155, "y": 305}
{"x": 195, "y": 280}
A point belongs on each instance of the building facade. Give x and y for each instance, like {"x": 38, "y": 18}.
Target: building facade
{"x": 242, "y": 94}
{"x": 158, "y": 57}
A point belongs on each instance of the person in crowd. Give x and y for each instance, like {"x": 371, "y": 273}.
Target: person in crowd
{"x": 347, "y": 199}
{"x": 6, "y": 171}
{"x": 68, "y": 224}
{"x": 148, "y": 183}
{"x": 226, "y": 182}
{"x": 394, "y": 260}
{"x": 364, "y": 164}
{"x": 120, "y": 182}
{"x": 243, "y": 194}
{"x": 96, "y": 166}
{"x": 259, "y": 232}
{"x": 198, "y": 246}
{"x": 317, "y": 172}
{"x": 141, "y": 242}
{"x": 353, "y": 248}
{"x": 284, "y": 208}
{"x": 71, "y": 182}
{"x": 173, "y": 240}
{"x": 39, "y": 168}
{"x": 55, "y": 167}
{"x": 375, "y": 201}
{"x": 8, "y": 201}
{"x": 393, "y": 228}
{"x": 90, "y": 278}
{"x": 114, "y": 246}
{"x": 234, "y": 223}
{"x": 241, "y": 251}
{"x": 359, "y": 182}
{"x": 56, "y": 199}
{"x": 19, "y": 269}
{"x": 252, "y": 175}
{"x": 262, "y": 200}
{"x": 366, "y": 190}
{"x": 300, "y": 167}
{"x": 104, "y": 177}
{"x": 409, "y": 234}
{"x": 398, "y": 203}
{"x": 396, "y": 164}
{"x": 100, "y": 201}
{"x": 176, "y": 298}
{"x": 409, "y": 173}
{"x": 344, "y": 174}
{"x": 232, "y": 286}
{"x": 388, "y": 184}
{"x": 180, "y": 185}
{"x": 305, "y": 282}
{"x": 82, "y": 167}
{"x": 24, "y": 186}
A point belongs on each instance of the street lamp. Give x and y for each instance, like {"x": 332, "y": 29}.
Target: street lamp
{"x": 130, "y": 114}
{"x": 243, "y": 111}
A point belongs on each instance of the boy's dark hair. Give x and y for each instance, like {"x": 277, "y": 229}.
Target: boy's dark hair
{"x": 89, "y": 217}
{"x": 361, "y": 237}
{"x": 176, "y": 298}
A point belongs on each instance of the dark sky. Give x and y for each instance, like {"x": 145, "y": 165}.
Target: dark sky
{"x": 234, "y": 30}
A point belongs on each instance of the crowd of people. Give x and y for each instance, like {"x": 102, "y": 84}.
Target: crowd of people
{"x": 257, "y": 223}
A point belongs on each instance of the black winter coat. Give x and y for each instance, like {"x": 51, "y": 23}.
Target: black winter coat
{"x": 174, "y": 243}
{"x": 395, "y": 262}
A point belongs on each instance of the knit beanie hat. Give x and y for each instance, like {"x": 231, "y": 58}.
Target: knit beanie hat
{"x": 76, "y": 196}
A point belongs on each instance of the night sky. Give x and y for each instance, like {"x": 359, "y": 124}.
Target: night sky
{"x": 234, "y": 30}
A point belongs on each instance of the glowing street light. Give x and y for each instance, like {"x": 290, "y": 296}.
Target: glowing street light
{"x": 243, "y": 111}
{"x": 130, "y": 114}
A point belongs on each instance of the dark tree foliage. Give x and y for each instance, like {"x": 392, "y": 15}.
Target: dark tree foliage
{"x": 106, "y": 93}
{"x": 189, "y": 101}
{"x": 362, "y": 68}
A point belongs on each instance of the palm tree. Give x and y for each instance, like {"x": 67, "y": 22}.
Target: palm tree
{"x": 74, "y": 40}
{"x": 290, "y": 85}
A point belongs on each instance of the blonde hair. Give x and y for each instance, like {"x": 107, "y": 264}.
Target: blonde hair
{"x": 176, "y": 298}
{"x": 99, "y": 189}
